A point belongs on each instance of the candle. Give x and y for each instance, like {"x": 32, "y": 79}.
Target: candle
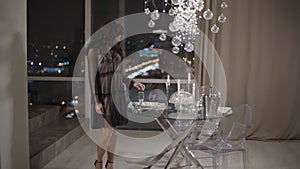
{"x": 168, "y": 79}
{"x": 189, "y": 83}
{"x": 178, "y": 85}
{"x": 194, "y": 90}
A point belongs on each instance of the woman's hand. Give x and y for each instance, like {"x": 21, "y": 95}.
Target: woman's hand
{"x": 99, "y": 108}
{"x": 139, "y": 86}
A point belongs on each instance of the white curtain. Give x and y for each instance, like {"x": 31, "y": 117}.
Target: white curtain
{"x": 259, "y": 46}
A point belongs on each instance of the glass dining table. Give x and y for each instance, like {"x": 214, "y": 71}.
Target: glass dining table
{"x": 177, "y": 125}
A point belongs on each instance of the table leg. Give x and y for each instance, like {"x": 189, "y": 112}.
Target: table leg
{"x": 166, "y": 126}
{"x": 189, "y": 157}
{"x": 159, "y": 156}
{"x": 176, "y": 151}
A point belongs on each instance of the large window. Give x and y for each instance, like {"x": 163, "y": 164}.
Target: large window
{"x": 55, "y": 37}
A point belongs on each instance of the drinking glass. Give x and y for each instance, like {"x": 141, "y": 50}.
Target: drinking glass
{"x": 141, "y": 97}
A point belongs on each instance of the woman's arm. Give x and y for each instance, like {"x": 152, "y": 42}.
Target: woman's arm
{"x": 92, "y": 68}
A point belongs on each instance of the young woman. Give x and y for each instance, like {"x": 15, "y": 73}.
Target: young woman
{"x": 102, "y": 70}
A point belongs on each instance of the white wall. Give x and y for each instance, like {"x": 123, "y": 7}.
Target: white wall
{"x": 13, "y": 85}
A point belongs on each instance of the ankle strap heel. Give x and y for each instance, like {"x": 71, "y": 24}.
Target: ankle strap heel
{"x": 96, "y": 161}
{"x": 106, "y": 164}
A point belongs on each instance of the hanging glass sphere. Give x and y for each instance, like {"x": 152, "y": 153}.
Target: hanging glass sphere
{"x": 155, "y": 15}
{"x": 214, "y": 29}
{"x": 208, "y": 14}
{"x": 176, "y": 2}
{"x": 171, "y": 12}
{"x": 224, "y": 5}
{"x": 178, "y": 20}
{"x": 172, "y": 27}
{"x": 176, "y": 41}
{"x": 162, "y": 37}
{"x": 222, "y": 18}
{"x": 147, "y": 11}
{"x": 187, "y": 14}
{"x": 175, "y": 49}
{"x": 189, "y": 47}
{"x": 151, "y": 24}
{"x": 181, "y": 28}
{"x": 199, "y": 5}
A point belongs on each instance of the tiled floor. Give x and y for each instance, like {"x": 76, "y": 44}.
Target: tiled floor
{"x": 47, "y": 135}
{"x": 262, "y": 155}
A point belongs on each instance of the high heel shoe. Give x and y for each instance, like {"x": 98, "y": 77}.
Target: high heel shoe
{"x": 106, "y": 164}
{"x": 96, "y": 161}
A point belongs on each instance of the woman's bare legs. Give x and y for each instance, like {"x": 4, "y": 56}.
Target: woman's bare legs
{"x": 107, "y": 142}
{"x": 100, "y": 153}
{"x": 111, "y": 149}
{"x": 102, "y": 146}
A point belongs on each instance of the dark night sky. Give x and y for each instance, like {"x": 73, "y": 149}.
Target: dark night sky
{"x": 61, "y": 22}
{"x": 51, "y": 23}
{"x": 55, "y": 20}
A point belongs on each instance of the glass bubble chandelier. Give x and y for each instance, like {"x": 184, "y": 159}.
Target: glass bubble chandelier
{"x": 186, "y": 15}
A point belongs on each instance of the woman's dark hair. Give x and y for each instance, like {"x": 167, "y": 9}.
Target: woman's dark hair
{"x": 104, "y": 38}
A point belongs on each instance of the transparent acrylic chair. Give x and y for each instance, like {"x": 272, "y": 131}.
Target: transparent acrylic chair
{"x": 235, "y": 140}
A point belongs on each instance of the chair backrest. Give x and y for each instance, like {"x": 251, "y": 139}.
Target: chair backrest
{"x": 237, "y": 132}
{"x": 242, "y": 114}
{"x": 241, "y": 123}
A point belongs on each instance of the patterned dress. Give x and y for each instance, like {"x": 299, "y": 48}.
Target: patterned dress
{"x": 110, "y": 88}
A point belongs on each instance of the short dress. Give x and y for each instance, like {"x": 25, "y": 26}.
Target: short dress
{"x": 108, "y": 92}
